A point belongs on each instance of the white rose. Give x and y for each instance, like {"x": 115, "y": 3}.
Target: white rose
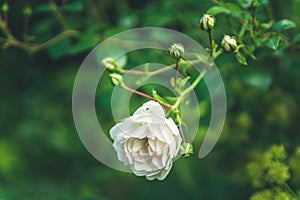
{"x": 147, "y": 141}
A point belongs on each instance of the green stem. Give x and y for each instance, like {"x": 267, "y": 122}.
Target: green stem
{"x": 176, "y": 73}
{"x": 37, "y": 47}
{"x": 189, "y": 89}
{"x": 155, "y": 72}
{"x": 242, "y": 31}
{"x": 217, "y": 54}
{"x": 253, "y": 16}
{"x": 5, "y": 29}
{"x": 57, "y": 14}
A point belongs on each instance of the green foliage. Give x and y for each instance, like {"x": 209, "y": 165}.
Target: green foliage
{"x": 270, "y": 168}
{"x": 41, "y": 156}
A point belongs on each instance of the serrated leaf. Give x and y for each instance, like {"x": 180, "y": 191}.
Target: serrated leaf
{"x": 273, "y": 42}
{"x": 215, "y": 10}
{"x": 241, "y": 58}
{"x": 283, "y": 25}
{"x": 234, "y": 9}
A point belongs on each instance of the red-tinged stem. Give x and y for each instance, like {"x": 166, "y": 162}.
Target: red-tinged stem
{"x": 138, "y": 93}
{"x": 134, "y": 72}
{"x": 210, "y": 43}
{"x": 145, "y": 95}
{"x": 180, "y": 129}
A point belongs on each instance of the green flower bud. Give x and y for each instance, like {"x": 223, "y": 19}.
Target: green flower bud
{"x": 116, "y": 79}
{"x": 207, "y": 22}
{"x": 186, "y": 149}
{"x": 176, "y": 50}
{"x": 229, "y": 43}
{"x": 110, "y": 63}
{"x": 27, "y": 11}
{"x": 254, "y": 4}
{"x": 5, "y": 7}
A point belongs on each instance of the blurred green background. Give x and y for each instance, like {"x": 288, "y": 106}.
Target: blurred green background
{"x": 42, "y": 157}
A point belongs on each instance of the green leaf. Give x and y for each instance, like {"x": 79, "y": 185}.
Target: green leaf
{"x": 88, "y": 40}
{"x": 283, "y": 25}
{"x": 76, "y": 6}
{"x": 273, "y": 42}
{"x": 258, "y": 78}
{"x": 58, "y": 49}
{"x": 215, "y": 10}
{"x": 249, "y": 51}
{"x": 44, "y": 7}
{"x": 245, "y": 3}
{"x": 234, "y": 9}
{"x": 241, "y": 58}
{"x": 262, "y": 3}
{"x": 296, "y": 39}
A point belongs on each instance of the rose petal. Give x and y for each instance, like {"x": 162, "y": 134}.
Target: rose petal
{"x": 151, "y": 107}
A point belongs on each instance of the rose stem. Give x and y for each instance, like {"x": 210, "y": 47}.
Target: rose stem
{"x": 176, "y": 73}
{"x": 138, "y": 93}
{"x": 181, "y": 133}
{"x": 210, "y": 43}
{"x": 180, "y": 128}
{"x": 155, "y": 72}
{"x": 144, "y": 95}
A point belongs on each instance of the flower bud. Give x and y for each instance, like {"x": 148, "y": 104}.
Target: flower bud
{"x": 27, "y": 11}
{"x": 207, "y": 22}
{"x": 229, "y": 43}
{"x": 254, "y": 4}
{"x": 176, "y": 50}
{"x": 116, "y": 79}
{"x": 5, "y": 7}
{"x": 110, "y": 63}
{"x": 186, "y": 149}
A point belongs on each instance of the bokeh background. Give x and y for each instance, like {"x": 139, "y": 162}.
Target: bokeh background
{"x": 42, "y": 157}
